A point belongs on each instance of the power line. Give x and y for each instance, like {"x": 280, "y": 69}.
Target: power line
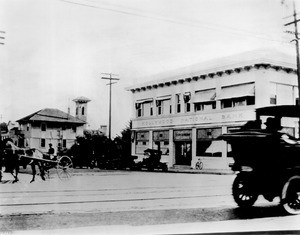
{"x": 197, "y": 24}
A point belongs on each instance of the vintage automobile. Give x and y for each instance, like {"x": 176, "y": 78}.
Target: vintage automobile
{"x": 152, "y": 161}
{"x": 267, "y": 161}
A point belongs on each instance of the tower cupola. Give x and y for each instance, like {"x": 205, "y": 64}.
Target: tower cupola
{"x": 81, "y": 108}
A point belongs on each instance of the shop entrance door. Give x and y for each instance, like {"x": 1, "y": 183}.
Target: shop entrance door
{"x": 183, "y": 153}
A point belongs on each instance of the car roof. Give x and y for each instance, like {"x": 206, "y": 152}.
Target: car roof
{"x": 279, "y": 111}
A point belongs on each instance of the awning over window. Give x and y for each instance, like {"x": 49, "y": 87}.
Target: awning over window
{"x": 204, "y": 96}
{"x": 237, "y": 91}
{"x": 144, "y": 101}
{"x": 165, "y": 97}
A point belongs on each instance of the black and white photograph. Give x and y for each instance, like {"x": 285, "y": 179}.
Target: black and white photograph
{"x": 149, "y": 117}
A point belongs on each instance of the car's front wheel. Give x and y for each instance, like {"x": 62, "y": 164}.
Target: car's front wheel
{"x": 243, "y": 192}
{"x": 290, "y": 195}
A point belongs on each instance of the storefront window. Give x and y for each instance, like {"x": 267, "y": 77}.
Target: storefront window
{"x": 161, "y": 141}
{"x": 207, "y": 143}
{"x": 142, "y": 142}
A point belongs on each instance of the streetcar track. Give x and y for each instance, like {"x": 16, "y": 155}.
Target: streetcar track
{"x": 104, "y": 190}
{"x": 108, "y": 201}
{"x": 97, "y": 194}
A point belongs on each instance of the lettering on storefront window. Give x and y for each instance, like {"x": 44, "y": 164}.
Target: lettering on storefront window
{"x": 183, "y": 135}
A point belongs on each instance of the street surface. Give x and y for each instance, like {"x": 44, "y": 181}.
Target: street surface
{"x": 132, "y": 202}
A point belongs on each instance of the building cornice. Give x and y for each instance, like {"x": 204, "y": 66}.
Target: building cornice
{"x": 219, "y": 73}
{"x": 244, "y": 62}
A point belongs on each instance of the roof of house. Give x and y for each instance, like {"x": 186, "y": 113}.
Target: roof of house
{"x": 51, "y": 115}
{"x": 219, "y": 66}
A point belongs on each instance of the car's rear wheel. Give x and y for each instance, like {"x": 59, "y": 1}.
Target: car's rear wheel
{"x": 242, "y": 191}
{"x": 290, "y": 195}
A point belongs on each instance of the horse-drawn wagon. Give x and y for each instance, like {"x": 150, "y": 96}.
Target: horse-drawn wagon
{"x": 12, "y": 157}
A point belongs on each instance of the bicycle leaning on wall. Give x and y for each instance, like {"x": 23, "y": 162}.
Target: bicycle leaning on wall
{"x": 199, "y": 164}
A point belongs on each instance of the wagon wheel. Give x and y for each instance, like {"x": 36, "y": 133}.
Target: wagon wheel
{"x": 243, "y": 195}
{"x": 64, "y": 168}
{"x": 290, "y": 196}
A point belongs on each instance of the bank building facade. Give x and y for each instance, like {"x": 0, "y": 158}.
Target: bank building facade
{"x": 183, "y": 112}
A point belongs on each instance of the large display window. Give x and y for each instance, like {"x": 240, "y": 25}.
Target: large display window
{"x": 142, "y": 142}
{"x": 161, "y": 141}
{"x": 207, "y": 143}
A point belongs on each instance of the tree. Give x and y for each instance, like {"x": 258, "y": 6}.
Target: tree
{"x": 125, "y": 139}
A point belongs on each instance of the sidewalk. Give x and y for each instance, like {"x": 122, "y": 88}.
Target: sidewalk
{"x": 203, "y": 171}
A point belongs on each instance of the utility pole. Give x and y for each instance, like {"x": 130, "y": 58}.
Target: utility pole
{"x": 110, "y": 78}
{"x": 296, "y": 40}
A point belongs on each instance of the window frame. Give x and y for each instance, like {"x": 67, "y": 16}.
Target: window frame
{"x": 43, "y": 126}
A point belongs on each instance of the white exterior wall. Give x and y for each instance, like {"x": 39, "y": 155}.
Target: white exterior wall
{"x": 222, "y": 118}
{"x": 53, "y": 135}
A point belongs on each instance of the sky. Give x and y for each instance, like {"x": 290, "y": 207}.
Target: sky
{"x": 56, "y": 50}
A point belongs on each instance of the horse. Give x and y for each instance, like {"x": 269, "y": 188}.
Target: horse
{"x": 9, "y": 158}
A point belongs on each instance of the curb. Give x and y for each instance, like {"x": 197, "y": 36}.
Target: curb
{"x": 192, "y": 171}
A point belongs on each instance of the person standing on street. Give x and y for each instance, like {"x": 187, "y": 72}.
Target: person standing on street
{"x": 51, "y": 152}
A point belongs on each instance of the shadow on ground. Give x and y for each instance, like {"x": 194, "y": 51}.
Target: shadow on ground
{"x": 134, "y": 218}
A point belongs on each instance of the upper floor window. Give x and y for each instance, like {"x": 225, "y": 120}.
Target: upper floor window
{"x": 43, "y": 127}
{"x": 82, "y": 111}
{"x": 159, "y": 107}
{"x": 238, "y": 95}
{"x": 43, "y": 143}
{"x": 64, "y": 143}
{"x": 235, "y": 102}
{"x": 144, "y": 107}
{"x": 138, "y": 108}
{"x": 204, "y": 100}
{"x": 187, "y": 101}
{"x": 163, "y": 105}
{"x": 205, "y": 106}
{"x": 178, "y": 103}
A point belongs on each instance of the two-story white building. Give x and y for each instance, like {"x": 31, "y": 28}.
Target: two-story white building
{"x": 184, "y": 111}
{"x": 54, "y": 126}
